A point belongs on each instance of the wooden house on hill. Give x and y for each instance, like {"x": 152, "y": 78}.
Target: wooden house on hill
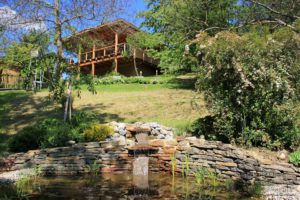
{"x": 103, "y": 49}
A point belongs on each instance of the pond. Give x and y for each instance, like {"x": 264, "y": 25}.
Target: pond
{"x": 117, "y": 186}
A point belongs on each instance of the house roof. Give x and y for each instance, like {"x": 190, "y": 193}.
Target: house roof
{"x": 104, "y": 32}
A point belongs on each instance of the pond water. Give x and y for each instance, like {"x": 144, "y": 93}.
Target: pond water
{"x": 118, "y": 186}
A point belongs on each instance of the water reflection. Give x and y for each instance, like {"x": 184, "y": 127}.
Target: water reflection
{"x": 122, "y": 186}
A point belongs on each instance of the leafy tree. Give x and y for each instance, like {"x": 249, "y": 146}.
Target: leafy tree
{"x": 18, "y": 54}
{"x": 251, "y": 83}
{"x": 60, "y": 18}
{"x": 173, "y": 23}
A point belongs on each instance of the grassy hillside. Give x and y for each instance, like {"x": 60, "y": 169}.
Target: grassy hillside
{"x": 173, "y": 104}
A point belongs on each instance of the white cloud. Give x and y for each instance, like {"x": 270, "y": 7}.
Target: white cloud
{"x": 10, "y": 19}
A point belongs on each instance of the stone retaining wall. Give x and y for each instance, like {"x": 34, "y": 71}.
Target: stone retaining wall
{"x": 117, "y": 153}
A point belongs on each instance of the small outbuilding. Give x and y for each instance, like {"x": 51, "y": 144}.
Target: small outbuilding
{"x": 9, "y": 77}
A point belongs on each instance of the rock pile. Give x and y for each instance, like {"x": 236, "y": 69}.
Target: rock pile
{"x": 154, "y": 130}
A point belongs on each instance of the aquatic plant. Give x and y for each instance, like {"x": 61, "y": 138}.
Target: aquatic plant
{"x": 173, "y": 184}
{"x": 173, "y": 164}
{"x": 4, "y": 197}
{"x": 213, "y": 178}
{"x": 187, "y": 190}
{"x": 256, "y": 189}
{"x": 185, "y": 166}
{"x": 229, "y": 184}
{"x": 200, "y": 176}
{"x": 21, "y": 184}
{"x": 37, "y": 172}
{"x": 93, "y": 168}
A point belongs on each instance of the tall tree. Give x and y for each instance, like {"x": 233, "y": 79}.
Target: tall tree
{"x": 62, "y": 18}
{"x": 19, "y": 54}
{"x": 173, "y": 23}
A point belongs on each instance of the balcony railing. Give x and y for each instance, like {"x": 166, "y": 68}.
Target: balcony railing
{"x": 108, "y": 53}
{"x": 102, "y": 53}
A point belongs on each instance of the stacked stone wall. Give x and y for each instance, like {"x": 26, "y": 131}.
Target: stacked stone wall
{"x": 117, "y": 153}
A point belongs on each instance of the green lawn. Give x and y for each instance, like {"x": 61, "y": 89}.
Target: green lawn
{"x": 173, "y": 104}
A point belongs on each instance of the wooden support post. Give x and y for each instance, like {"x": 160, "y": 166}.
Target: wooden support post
{"x": 94, "y": 51}
{"x": 116, "y": 51}
{"x": 79, "y": 60}
{"x": 93, "y": 69}
{"x": 79, "y": 56}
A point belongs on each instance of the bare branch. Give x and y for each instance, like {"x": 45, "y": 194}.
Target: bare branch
{"x": 274, "y": 11}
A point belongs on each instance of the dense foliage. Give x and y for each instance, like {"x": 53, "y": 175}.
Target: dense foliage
{"x": 247, "y": 56}
{"x": 19, "y": 54}
{"x": 294, "y": 158}
{"x": 129, "y": 80}
{"x": 56, "y": 133}
{"x": 175, "y": 23}
{"x": 251, "y": 83}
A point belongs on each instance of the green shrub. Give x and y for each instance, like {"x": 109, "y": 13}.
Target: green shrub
{"x": 57, "y": 136}
{"x": 28, "y": 138}
{"x": 294, "y": 158}
{"x": 250, "y": 85}
{"x": 108, "y": 80}
{"x": 52, "y": 133}
{"x": 97, "y": 132}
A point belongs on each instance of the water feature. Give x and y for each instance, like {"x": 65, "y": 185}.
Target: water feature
{"x": 140, "y": 166}
{"x": 118, "y": 186}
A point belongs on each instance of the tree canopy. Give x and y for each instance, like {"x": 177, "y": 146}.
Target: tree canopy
{"x": 175, "y": 23}
{"x": 246, "y": 56}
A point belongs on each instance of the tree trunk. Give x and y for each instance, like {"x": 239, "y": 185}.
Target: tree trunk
{"x": 134, "y": 63}
{"x": 70, "y": 100}
{"x": 58, "y": 43}
{"x": 68, "y": 104}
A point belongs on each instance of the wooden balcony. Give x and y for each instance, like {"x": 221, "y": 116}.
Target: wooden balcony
{"x": 110, "y": 53}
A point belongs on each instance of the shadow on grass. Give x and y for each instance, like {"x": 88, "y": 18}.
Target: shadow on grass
{"x": 102, "y": 117}
{"x": 182, "y": 83}
{"x": 20, "y": 108}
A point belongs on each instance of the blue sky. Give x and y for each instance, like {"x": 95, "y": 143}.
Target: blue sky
{"x": 128, "y": 13}
{"x": 136, "y": 6}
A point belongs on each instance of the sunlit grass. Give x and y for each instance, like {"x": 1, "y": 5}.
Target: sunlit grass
{"x": 171, "y": 104}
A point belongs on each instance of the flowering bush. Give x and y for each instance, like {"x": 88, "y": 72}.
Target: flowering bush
{"x": 250, "y": 82}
